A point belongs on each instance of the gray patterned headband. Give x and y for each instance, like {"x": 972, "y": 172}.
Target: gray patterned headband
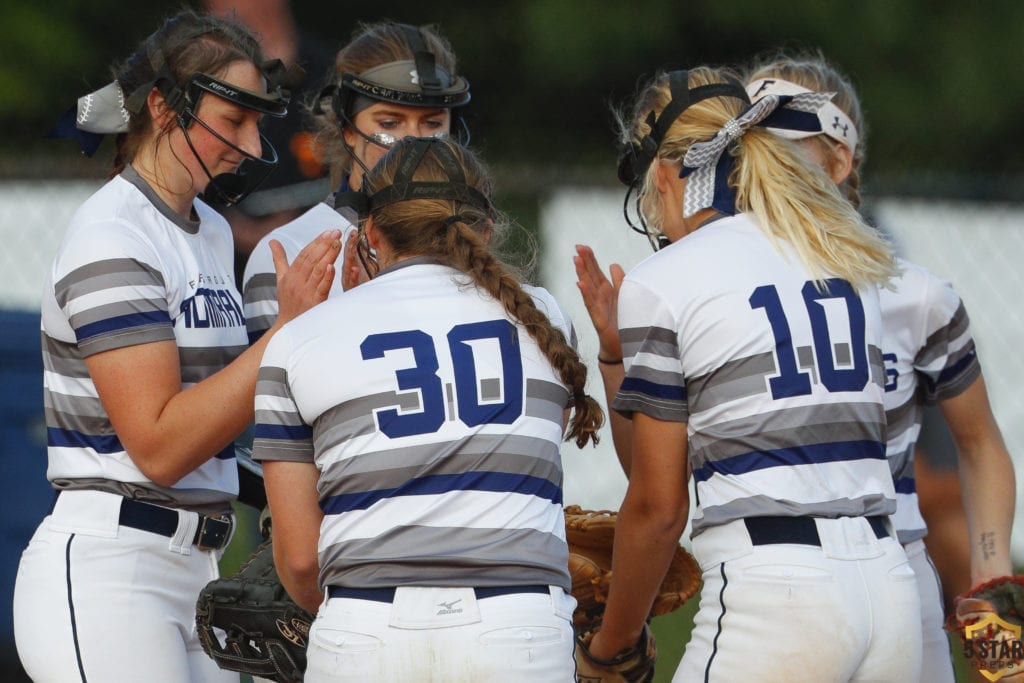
{"x": 701, "y": 164}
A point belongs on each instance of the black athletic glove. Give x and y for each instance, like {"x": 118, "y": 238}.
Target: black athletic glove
{"x": 266, "y": 631}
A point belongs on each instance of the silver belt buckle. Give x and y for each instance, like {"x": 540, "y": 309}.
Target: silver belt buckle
{"x": 213, "y": 537}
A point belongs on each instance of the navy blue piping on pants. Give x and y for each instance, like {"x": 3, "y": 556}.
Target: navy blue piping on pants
{"x": 71, "y": 607}
{"x": 721, "y": 615}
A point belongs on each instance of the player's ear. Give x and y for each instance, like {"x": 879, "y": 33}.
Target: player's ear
{"x": 842, "y": 164}
{"x": 159, "y": 111}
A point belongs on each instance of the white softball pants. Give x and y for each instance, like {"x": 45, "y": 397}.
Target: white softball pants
{"x": 845, "y": 610}
{"x": 936, "y": 662}
{"x": 444, "y": 635}
{"x": 99, "y": 602}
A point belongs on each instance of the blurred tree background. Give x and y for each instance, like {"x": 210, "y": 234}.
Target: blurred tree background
{"x": 939, "y": 79}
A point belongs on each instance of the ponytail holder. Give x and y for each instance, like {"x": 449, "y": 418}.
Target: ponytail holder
{"x": 452, "y": 220}
{"x": 579, "y": 396}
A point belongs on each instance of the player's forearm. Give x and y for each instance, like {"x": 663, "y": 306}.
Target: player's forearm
{"x": 199, "y": 422}
{"x": 622, "y": 427}
{"x": 989, "y": 493}
{"x": 645, "y": 540}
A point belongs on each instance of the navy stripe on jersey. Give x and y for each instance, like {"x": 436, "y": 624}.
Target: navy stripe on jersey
{"x": 118, "y": 323}
{"x": 797, "y": 455}
{"x": 495, "y": 482}
{"x": 906, "y": 485}
{"x": 69, "y": 438}
{"x": 271, "y": 432}
{"x": 955, "y": 378}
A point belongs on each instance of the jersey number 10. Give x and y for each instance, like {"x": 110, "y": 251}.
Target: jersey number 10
{"x": 791, "y": 381}
{"x": 472, "y": 410}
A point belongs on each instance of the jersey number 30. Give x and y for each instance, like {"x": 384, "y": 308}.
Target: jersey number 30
{"x": 473, "y": 408}
{"x": 791, "y": 381}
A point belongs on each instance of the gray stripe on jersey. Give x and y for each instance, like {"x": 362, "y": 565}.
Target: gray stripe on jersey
{"x": 734, "y": 380}
{"x": 657, "y": 341}
{"x": 877, "y": 364}
{"x": 63, "y": 358}
{"x": 203, "y": 501}
{"x": 902, "y": 464}
{"x": 628, "y": 402}
{"x": 356, "y": 417}
{"x": 902, "y": 417}
{"x": 545, "y": 400}
{"x": 756, "y": 506}
{"x": 199, "y": 363}
{"x": 372, "y": 471}
{"x": 144, "y": 334}
{"x": 280, "y": 449}
{"x": 101, "y": 275}
{"x": 788, "y": 428}
{"x": 273, "y": 381}
{"x": 83, "y": 414}
{"x": 445, "y": 556}
{"x": 937, "y": 344}
{"x": 261, "y": 287}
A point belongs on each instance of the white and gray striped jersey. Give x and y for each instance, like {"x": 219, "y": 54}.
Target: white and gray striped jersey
{"x": 131, "y": 271}
{"x": 435, "y": 422}
{"x": 259, "y": 282}
{"x": 929, "y": 355}
{"x": 780, "y": 384}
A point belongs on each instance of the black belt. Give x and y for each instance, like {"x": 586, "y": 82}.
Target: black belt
{"x": 388, "y": 594}
{"x": 212, "y": 533}
{"x": 802, "y": 530}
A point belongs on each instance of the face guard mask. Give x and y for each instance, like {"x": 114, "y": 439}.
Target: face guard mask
{"x": 418, "y": 82}
{"x": 231, "y": 188}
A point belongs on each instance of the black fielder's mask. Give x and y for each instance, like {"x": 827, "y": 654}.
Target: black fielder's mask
{"x": 225, "y": 188}
{"x": 412, "y": 150}
{"x": 636, "y": 157}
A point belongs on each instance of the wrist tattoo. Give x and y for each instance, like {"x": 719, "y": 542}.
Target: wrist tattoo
{"x": 987, "y": 543}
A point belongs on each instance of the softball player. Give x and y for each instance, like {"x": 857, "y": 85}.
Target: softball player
{"x": 409, "y": 433}
{"x": 393, "y": 80}
{"x": 929, "y": 357}
{"x": 752, "y": 360}
{"x": 147, "y": 373}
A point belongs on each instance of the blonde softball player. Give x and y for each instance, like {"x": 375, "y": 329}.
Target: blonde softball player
{"x": 751, "y": 359}
{"x": 929, "y": 357}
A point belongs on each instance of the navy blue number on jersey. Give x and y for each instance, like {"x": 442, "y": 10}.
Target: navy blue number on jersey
{"x": 791, "y": 380}
{"x": 474, "y": 408}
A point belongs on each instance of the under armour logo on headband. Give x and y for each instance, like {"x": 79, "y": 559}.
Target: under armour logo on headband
{"x": 701, "y": 163}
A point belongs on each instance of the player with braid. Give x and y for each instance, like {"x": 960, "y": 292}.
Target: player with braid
{"x": 148, "y": 374}
{"x": 751, "y": 362}
{"x": 929, "y": 358}
{"x": 410, "y": 436}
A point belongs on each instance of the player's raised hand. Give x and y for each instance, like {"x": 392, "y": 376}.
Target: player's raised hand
{"x": 601, "y": 297}
{"x": 307, "y": 280}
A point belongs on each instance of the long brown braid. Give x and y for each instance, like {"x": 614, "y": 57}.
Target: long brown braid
{"x": 458, "y": 232}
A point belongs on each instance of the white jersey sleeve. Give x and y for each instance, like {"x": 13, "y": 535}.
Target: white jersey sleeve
{"x": 929, "y": 356}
